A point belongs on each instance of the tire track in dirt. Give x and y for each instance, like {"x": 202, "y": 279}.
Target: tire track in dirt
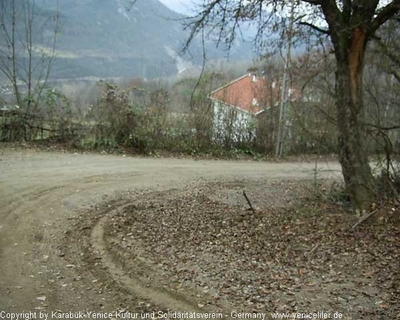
{"x": 39, "y": 194}
{"x": 99, "y": 262}
{"x": 29, "y": 261}
{"x": 86, "y": 245}
{"x": 141, "y": 289}
{"x": 41, "y": 262}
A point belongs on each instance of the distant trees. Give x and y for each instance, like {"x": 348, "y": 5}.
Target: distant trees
{"x": 387, "y": 44}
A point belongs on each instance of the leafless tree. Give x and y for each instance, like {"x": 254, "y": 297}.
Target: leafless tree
{"x": 350, "y": 25}
{"x": 27, "y": 49}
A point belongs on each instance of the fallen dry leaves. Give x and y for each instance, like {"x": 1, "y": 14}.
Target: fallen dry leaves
{"x": 300, "y": 258}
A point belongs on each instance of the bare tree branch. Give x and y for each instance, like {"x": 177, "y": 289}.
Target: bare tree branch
{"x": 386, "y": 13}
{"x": 131, "y": 4}
{"x": 314, "y": 2}
{"x": 20, "y": 60}
{"x": 383, "y": 128}
{"x": 332, "y": 13}
{"x": 312, "y": 26}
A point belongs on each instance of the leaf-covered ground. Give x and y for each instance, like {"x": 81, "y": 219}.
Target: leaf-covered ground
{"x": 291, "y": 254}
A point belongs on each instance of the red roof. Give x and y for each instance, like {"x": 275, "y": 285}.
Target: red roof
{"x": 251, "y": 93}
{"x": 246, "y": 93}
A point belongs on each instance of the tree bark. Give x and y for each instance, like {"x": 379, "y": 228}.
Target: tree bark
{"x": 353, "y": 155}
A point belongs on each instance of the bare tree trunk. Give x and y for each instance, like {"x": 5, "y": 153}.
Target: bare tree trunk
{"x": 29, "y": 18}
{"x": 350, "y": 107}
{"x": 18, "y": 26}
{"x": 349, "y": 24}
{"x": 12, "y": 45}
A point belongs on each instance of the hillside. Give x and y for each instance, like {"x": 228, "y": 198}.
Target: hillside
{"x": 103, "y": 38}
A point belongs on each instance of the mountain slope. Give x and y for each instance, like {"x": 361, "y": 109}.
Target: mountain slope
{"x": 107, "y": 38}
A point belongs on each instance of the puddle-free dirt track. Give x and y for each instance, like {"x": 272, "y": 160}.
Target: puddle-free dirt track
{"x": 45, "y": 195}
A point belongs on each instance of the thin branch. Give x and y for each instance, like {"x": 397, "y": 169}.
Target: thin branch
{"x": 313, "y": 249}
{"x": 390, "y": 55}
{"x": 131, "y": 4}
{"x": 387, "y": 12}
{"x": 395, "y": 74}
{"x": 50, "y": 60}
{"x": 326, "y": 115}
{"x": 382, "y": 128}
{"x": 248, "y": 201}
{"x": 4, "y": 68}
{"x": 324, "y": 31}
{"x": 203, "y": 67}
{"x": 314, "y": 2}
{"x": 364, "y": 218}
{"x": 332, "y": 13}
{"x": 222, "y": 18}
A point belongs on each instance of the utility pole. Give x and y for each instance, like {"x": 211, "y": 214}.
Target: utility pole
{"x": 285, "y": 88}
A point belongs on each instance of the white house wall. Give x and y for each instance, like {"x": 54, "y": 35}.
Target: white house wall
{"x": 237, "y": 127}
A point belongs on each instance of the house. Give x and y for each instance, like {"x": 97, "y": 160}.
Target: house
{"x": 238, "y": 104}
{"x": 9, "y": 110}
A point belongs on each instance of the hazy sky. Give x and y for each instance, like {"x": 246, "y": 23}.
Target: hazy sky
{"x": 181, "y": 6}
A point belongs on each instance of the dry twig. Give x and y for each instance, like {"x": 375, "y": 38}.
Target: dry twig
{"x": 248, "y": 201}
{"x": 364, "y": 218}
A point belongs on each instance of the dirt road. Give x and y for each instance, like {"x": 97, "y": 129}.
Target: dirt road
{"x": 42, "y": 195}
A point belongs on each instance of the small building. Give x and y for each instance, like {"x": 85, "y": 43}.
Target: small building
{"x": 238, "y": 104}
{"x": 8, "y": 109}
